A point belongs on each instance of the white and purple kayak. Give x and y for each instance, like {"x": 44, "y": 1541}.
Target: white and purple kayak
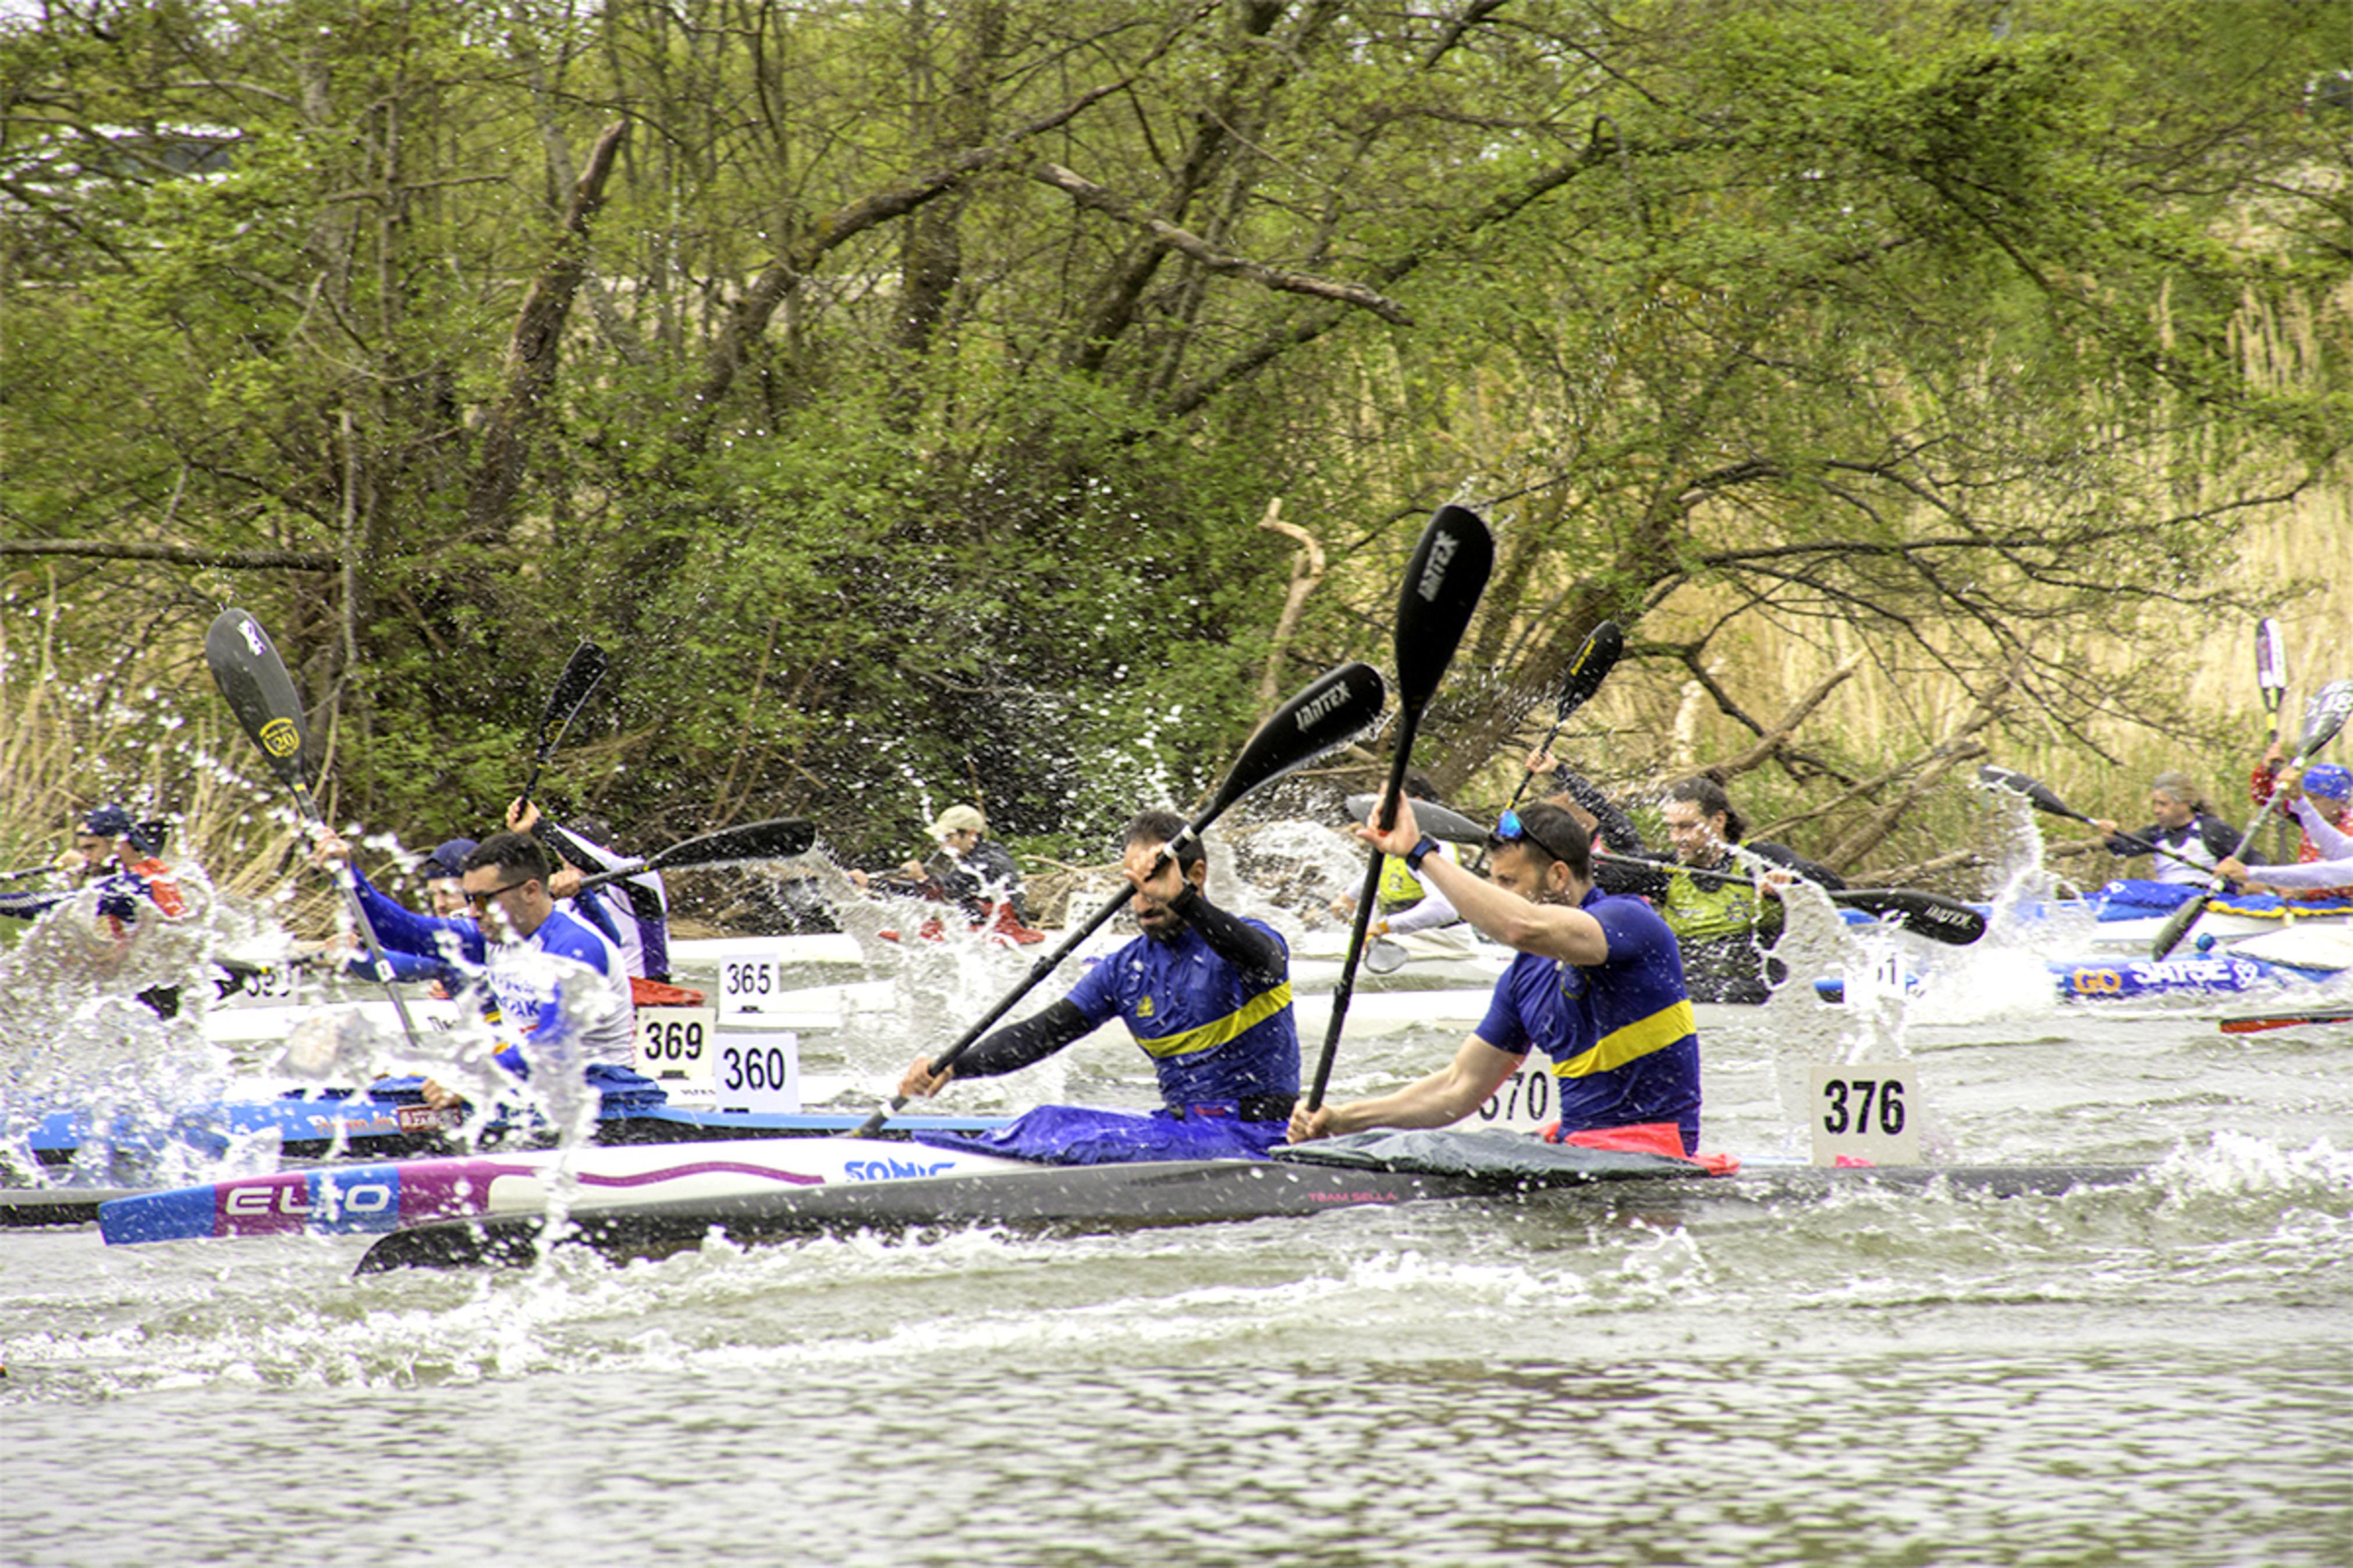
{"x": 335, "y": 1200}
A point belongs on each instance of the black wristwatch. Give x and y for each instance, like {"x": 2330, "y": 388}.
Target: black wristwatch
{"x": 1427, "y": 845}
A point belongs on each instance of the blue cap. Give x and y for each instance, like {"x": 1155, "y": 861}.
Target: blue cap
{"x": 106, "y": 822}
{"x": 113, "y": 822}
{"x": 2327, "y": 781}
{"x": 448, "y": 858}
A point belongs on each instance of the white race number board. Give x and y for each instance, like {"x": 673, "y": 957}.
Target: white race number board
{"x": 676, "y": 1046}
{"x": 757, "y": 1070}
{"x": 1865, "y": 1111}
{"x": 750, "y": 984}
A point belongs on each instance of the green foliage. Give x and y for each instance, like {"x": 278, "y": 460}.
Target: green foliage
{"x": 1920, "y": 325}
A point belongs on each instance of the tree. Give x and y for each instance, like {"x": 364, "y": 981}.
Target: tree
{"x": 898, "y": 391}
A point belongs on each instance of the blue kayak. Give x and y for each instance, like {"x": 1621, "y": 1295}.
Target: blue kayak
{"x": 372, "y": 1126}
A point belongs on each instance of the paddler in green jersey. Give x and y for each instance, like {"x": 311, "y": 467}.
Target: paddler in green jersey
{"x": 1407, "y": 902}
{"x": 1724, "y": 921}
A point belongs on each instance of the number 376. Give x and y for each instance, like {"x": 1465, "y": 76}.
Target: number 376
{"x": 1849, "y": 1104}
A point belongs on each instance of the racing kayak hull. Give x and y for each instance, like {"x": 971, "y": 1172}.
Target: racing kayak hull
{"x": 1091, "y": 1199}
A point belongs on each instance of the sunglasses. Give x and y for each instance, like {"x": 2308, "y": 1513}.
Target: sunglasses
{"x": 481, "y": 901}
{"x": 1510, "y": 829}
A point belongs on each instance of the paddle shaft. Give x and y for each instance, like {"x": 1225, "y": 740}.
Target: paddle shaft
{"x": 581, "y": 672}
{"x": 1596, "y": 657}
{"x": 348, "y": 887}
{"x": 1940, "y": 917}
{"x": 1039, "y": 970}
{"x": 1444, "y": 581}
{"x": 778, "y": 840}
{"x": 2271, "y": 680}
{"x": 1330, "y": 710}
{"x": 2041, "y": 796}
{"x": 1345, "y": 986}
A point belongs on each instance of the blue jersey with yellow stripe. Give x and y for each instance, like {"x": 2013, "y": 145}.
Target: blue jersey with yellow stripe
{"x": 1623, "y": 1040}
{"x": 1214, "y": 1033}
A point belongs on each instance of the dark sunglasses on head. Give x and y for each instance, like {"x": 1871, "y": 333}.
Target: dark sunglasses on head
{"x": 1510, "y": 829}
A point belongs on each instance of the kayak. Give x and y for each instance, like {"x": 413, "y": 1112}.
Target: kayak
{"x": 1068, "y": 1201}
{"x": 388, "y": 1196}
{"x": 2128, "y": 915}
{"x": 309, "y": 1126}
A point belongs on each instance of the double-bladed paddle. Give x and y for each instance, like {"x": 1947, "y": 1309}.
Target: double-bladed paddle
{"x": 1443, "y": 584}
{"x": 1330, "y": 711}
{"x": 1932, "y": 915}
{"x": 2042, "y": 799}
{"x": 253, "y": 679}
{"x": 2322, "y": 717}
{"x": 581, "y": 672}
{"x": 1915, "y": 910}
{"x": 778, "y": 840}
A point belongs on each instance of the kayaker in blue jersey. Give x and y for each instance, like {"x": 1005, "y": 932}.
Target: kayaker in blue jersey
{"x": 1207, "y": 995}
{"x": 559, "y": 986}
{"x": 1598, "y": 987}
{"x": 632, "y": 913}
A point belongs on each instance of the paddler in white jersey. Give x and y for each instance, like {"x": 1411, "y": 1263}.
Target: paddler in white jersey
{"x": 2185, "y": 825}
{"x": 559, "y": 985}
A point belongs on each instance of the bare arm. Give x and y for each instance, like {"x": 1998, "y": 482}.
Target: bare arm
{"x": 1550, "y": 931}
{"x": 1443, "y": 1099}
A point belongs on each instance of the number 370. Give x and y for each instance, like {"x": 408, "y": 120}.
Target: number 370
{"x": 1849, "y": 1103}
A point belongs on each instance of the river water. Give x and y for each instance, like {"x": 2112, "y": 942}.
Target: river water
{"x": 2151, "y": 1374}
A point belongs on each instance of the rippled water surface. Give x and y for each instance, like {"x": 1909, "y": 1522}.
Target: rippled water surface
{"x": 2156, "y": 1374}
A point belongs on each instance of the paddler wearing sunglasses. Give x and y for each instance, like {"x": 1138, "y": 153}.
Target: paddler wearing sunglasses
{"x": 1598, "y": 987}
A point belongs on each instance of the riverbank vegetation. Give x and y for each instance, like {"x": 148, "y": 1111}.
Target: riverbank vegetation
{"x": 1003, "y": 400}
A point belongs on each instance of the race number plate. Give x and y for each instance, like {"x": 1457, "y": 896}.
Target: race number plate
{"x": 759, "y": 1071}
{"x": 1525, "y": 1104}
{"x": 1865, "y": 1112}
{"x": 675, "y": 1045}
{"x": 749, "y": 986}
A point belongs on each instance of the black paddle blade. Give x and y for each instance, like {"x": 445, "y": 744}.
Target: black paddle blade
{"x": 1592, "y": 664}
{"x": 1442, "y": 588}
{"x": 253, "y": 679}
{"x": 779, "y": 839}
{"x": 1932, "y": 915}
{"x": 2039, "y": 794}
{"x": 1440, "y": 821}
{"x": 581, "y": 673}
{"x": 1333, "y": 711}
